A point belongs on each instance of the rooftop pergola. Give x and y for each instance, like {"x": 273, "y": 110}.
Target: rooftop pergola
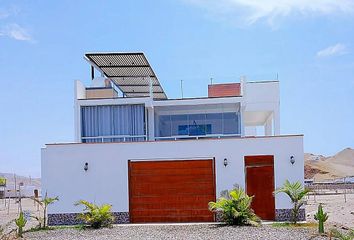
{"x": 130, "y": 72}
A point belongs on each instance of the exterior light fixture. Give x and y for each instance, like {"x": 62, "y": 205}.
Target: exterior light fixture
{"x": 86, "y": 167}
{"x": 225, "y": 162}
{"x": 292, "y": 160}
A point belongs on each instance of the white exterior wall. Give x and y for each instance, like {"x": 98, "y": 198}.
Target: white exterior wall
{"x": 106, "y": 180}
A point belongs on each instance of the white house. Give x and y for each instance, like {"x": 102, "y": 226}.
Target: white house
{"x": 156, "y": 159}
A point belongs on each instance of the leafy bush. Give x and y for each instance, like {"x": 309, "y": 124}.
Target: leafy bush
{"x": 96, "y": 216}
{"x": 2, "y": 181}
{"x": 42, "y": 222}
{"x": 342, "y": 236}
{"x": 321, "y": 217}
{"x": 20, "y": 223}
{"x": 296, "y": 193}
{"x": 235, "y": 207}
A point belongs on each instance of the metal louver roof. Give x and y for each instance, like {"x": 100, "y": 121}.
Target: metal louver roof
{"x": 130, "y": 72}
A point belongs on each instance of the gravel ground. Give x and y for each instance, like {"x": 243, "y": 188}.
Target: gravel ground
{"x": 185, "y": 232}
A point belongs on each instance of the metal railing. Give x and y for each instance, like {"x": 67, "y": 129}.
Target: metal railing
{"x": 124, "y": 138}
{"x": 177, "y": 137}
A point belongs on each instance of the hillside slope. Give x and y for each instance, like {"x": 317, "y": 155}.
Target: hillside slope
{"x": 337, "y": 166}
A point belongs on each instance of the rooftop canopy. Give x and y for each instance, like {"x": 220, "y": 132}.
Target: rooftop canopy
{"x": 130, "y": 72}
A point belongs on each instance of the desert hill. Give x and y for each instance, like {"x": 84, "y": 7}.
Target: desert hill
{"x": 339, "y": 165}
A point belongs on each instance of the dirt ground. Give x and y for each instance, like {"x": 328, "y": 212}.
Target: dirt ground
{"x": 340, "y": 213}
{"x": 8, "y": 214}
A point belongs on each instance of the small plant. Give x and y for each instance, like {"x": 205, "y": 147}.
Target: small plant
{"x": 42, "y": 222}
{"x": 296, "y": 193}
{"x": 235, "y": 207}
{"x": 20, "y": 223}
{"x": 2, "y": 181}
{"x": 321, "y": 217}
{"x": 96, "y": 216}
{"x": 342, "y": 236}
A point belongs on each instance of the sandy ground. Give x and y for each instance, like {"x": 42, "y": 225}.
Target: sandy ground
{"x": 340, "y": 213}
{"x": 9, "y": 214}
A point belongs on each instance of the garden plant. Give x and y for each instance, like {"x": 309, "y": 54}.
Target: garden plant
{"x": 235, "y": 207}
{"x": 341, "y": 235}
{"x": 20, "y": 223}
{"x": 296, "y": 193}
{"x": 42, "y": 222}
{"x": 96, "y": 216}
{"x": 321, "y": 217}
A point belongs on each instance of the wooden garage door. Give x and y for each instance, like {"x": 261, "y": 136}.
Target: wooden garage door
{"x": 260, "y": 184}
{"x": 171, "y": 191}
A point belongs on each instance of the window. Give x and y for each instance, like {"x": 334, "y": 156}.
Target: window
{"x": 198, "y": 124}
{"x": 112, "y": 123}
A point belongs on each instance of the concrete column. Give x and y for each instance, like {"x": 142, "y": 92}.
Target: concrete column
{"x": 242, "y": 110}
{"x": 268, "y": 126}
{"x": 276, "y": 119}
{"x": 151, "y": 124}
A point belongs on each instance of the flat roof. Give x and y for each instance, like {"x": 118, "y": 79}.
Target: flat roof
{"x": 131, "y": 72}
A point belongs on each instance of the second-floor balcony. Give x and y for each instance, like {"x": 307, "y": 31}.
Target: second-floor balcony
{"x": 130, "y": 123}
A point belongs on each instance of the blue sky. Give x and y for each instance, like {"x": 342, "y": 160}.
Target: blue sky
{"x": 309, "y": 44}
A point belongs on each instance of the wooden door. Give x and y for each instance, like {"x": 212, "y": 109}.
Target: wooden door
{"x": 260, "y": 184}
{"x": 171, "y": 191}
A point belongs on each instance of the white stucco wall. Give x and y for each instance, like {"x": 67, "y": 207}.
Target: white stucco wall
{"x": 106, "y": 181}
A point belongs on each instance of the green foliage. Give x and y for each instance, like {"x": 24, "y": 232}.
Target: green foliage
{"x": 321, "y": 217}
{"x": 2, "y": 181}
{"x": 235, "y": 207}
{"x": 96, "y": 216}
{"x": 296, "y": 193}
{"x": 20, "y": 223}
{"x": 42, "y": 222}
{"x": 342, "y": 236}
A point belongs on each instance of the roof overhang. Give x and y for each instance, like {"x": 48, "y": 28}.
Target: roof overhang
{"x": 131, "y": 72}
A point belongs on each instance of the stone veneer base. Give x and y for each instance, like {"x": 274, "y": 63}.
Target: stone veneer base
{"x": 72, "y": 218}
{"x": 285, "y": 215}
{"x": 123, "y": 217}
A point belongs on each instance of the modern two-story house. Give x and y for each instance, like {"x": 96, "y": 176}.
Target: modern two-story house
{"x": 156, "y": 159}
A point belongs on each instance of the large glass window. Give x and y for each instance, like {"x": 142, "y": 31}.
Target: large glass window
{"x": 112, "y": 123}
{"x": 198, "y": 124}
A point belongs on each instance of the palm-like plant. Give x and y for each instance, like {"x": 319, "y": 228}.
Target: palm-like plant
{"x": 96, "y": 216}
{"x": 342, "y": 236}
{"x": 296, "y": 193}
{"x": 236, "y": 208}
{"x": 20, "y": 223}
{"x": 44, "y": 204}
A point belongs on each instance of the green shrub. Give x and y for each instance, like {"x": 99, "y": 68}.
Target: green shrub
{"x": 42, "y": 222}
{"x": 2, "y": 181}
{"x": 321, "y": 217}
{"x": 235, "y": 207}
{"x": 342, "y": 236}
{"x": 296, "y": 193}
{"x": 20, "y": 223}
{"x": 96, "y": 216}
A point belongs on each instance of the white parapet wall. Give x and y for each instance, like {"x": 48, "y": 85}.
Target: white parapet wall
{"x": 106, "y": 180}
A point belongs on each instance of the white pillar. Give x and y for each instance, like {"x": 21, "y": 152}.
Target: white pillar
{"x": 268, "y": 126}
{"x": 79, "y": 93}
{"x": 242, "y": 110}
{"x": 151, "y": 124}
{"x": 276, "y": 119}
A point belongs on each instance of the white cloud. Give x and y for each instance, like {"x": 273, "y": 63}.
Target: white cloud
{"x": 16, "y": 32}
{"x": 251, "y": 11}
{"x": 334, "y": 50}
